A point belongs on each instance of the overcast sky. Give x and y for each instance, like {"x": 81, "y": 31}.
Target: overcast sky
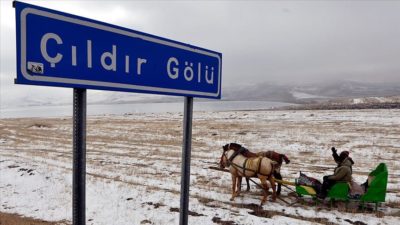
{"x": 261, "y": 41}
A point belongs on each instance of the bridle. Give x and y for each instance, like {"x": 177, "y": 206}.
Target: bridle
{"x": 224, "y": 156}
{"x": 229, "y": 160}
{"x": 221, "y": 160}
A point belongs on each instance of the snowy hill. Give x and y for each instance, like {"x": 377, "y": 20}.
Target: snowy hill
{"x": 289, "y": 93}
{"x": 310, "y": 93}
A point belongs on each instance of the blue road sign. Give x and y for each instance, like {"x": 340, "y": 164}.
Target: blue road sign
{"x": 59, "y": 49}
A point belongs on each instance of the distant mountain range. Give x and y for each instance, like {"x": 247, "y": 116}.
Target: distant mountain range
{"x": 310, "y": 93}
{"x": 289, "y": 93}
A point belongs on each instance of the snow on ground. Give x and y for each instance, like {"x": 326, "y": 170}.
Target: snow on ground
{"x": 302, "y": 95}
{"x": 372, "y": 100}
{"x": 133, "y": 165}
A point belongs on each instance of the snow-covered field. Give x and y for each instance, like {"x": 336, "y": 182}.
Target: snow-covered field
{"x": 133, "y": 165}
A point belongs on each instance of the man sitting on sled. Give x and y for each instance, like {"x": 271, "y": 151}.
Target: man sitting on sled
{"x": 342, "y": 172}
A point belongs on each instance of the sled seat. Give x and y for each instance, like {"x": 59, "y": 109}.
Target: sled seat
{"x": 377, "y": 186}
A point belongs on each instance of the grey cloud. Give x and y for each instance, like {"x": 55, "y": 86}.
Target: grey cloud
{"x": 265, "y": 41}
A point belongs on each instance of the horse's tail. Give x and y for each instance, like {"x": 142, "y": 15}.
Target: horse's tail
{"x": 284, "y": 157}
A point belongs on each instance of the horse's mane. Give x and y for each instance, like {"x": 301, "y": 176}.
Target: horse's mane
{"x": 236, "y": 145}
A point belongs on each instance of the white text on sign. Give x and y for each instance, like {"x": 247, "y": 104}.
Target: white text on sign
{"x": 108, "y": 60}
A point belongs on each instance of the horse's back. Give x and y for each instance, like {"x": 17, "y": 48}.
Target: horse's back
{"x": 249, "y": 154}
{"x": 261, "y": 165}
{"x": 271, "y": 155}
{"x": 253, "y": 163}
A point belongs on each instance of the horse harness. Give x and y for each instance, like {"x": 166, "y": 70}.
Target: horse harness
{"x": 240, "y": 151}
{"x": 236, "y": 153}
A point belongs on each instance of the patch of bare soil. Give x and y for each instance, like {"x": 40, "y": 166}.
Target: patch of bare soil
{"x": 355, "y": 222}
{"x": 39, "y": 125}
{"x": 218, "y": 220}
{"x": 156, "y": 205}
{"x": 257, "y": 210}
{"x": 191, "y": 213}
{"x": 146, "y": 222}
{"x": 14, "y": 219}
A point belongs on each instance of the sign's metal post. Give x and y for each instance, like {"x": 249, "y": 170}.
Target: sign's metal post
{"x": 186, "y": 151}
{"x": 79, "y": 157}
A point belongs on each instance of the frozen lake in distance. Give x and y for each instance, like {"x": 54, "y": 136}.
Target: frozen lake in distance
{"x": 120, "y": 109}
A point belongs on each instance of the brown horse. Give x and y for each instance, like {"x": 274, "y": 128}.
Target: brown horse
{"x": 274, "y": 156}
{"x": 241, "y": 166}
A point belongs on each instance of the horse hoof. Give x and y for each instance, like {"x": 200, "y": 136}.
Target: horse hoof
{"x": 263, "y": 200}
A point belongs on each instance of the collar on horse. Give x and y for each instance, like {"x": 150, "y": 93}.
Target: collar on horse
{"x": 236, "y": 153}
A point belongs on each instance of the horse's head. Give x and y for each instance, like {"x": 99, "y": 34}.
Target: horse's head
{"x": 226, "y": 147}
{"x": 224, "y": 162}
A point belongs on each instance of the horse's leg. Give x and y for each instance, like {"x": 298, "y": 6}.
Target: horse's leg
{"x": 248, "y": 183}
{"x": 239, "y": 186}
{"x": 233, "y": 187}
{"x": 264, "y": 183}
{"x": 278, "y": 176}
{"x": 273, "y": 186}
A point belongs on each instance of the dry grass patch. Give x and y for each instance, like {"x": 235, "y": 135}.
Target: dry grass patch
{"x": 257, "y": 210}
{"x": 14, "y": 219}
{"x": 393, "y": 204}
{"x": 306, "y": 153}
{"x": 40, "y": 125}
